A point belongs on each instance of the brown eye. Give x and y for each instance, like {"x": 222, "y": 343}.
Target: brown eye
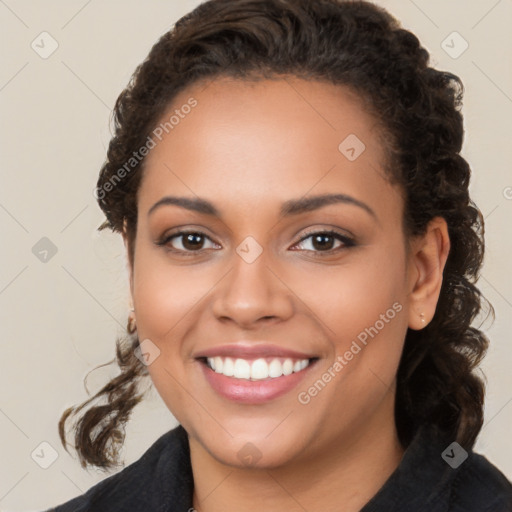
{"x": 192, "y": 241}
{"x": 323, "y": 241}
{"x": 186, "y": 241}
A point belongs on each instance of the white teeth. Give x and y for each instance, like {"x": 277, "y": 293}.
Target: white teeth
{"x": 258, "y": 369}
{"x": 275, "y": 368}
{"x": 218, "y": 364}
{"x": 287, "y": 367}
{"x": 242, "y": 369}
{"x": 228, "y": 368}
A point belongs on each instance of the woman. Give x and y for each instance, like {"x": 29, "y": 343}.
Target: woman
{"x": 287, "y": 179}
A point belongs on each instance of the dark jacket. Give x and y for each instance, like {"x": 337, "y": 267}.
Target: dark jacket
{"x": 434, "y": 475}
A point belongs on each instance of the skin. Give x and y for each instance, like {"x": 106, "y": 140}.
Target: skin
{"x": 247, "y": 148}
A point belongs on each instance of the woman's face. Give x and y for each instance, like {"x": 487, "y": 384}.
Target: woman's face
{"x": 260, "y": 289}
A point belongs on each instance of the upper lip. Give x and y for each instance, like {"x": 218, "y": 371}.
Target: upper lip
{"x": 245, "y": 350}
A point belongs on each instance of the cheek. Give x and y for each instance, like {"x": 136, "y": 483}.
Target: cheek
{"x": 166, "y": 297}
{"x": 165, "y": 294}
{"x": 362, "y": 310}
{"x": 363, "y": 306}
{"x": 352, "y": 297}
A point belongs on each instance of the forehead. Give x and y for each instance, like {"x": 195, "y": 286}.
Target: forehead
{"x": 264, "y": 141}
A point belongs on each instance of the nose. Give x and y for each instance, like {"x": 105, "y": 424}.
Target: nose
{"x": 252, "y": 294}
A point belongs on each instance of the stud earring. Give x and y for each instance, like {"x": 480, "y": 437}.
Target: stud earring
{"x": 422, "y": 316}
{"x": 131, "y": 327}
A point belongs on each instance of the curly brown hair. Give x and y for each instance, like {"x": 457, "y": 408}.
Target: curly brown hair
{"x": 360, "y": 46}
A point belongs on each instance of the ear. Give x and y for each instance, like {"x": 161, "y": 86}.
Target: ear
{"x": 130, "y": 265}
{"x": 427, "y": 260}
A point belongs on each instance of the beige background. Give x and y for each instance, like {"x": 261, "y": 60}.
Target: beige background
{"x": 59, "y": 319}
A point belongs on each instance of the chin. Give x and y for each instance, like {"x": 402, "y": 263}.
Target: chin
{"x": 257, "y": 456}
{"x": 255, "y": 449}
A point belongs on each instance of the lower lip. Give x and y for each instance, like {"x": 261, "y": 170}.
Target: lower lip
{"x": 252, "y": 391}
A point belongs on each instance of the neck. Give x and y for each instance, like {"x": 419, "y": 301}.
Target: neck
{"x": 355, "y": 465}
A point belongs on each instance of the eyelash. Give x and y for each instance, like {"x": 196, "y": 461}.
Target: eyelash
{"x": 347, "y": 242}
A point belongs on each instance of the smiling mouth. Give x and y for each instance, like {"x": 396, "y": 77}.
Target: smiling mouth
{"x": 259, "y": 369}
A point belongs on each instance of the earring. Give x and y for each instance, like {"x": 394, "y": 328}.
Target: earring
{"x": 422, "y": 317}
{"x": 131, "y": 327}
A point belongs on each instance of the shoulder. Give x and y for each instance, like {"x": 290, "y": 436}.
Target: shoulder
{"x": 144, "y": 484}
{"x": 480, "y": 486}
{"x": 437, "y": 475}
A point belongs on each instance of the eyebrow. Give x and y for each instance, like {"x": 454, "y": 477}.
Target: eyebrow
{"x": 288, "y": 208}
